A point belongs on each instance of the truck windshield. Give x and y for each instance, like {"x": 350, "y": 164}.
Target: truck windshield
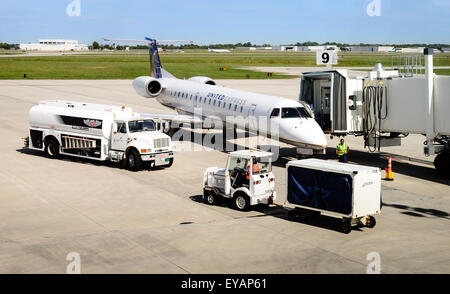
{"x": 141, "y": 126}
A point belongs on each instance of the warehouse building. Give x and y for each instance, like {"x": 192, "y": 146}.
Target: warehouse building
{"x": 54, "y": 45}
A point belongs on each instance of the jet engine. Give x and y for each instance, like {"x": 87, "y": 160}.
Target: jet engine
{"x": 203, "y": 80}
{"x": 147, "y": 87}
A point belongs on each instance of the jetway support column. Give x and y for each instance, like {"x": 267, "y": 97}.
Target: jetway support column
{"x": 429, "y": 76}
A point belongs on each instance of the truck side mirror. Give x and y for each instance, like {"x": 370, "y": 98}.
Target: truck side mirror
{"x": 114, "y": 128}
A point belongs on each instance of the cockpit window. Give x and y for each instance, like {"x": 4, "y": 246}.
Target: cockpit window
{"x": 275, "y": 112}
{"x": 289, "y": 112}
{"x": 293, "y": 112}
{"x": 141, "y": 126}
{"x": 303, "y": 112}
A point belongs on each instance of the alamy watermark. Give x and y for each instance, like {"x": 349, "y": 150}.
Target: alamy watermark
{"x": 74, "y": 8}
{"x": 374, "y": 266}
{"x": 374, "y": 8}
{"x": 74, "y": 266}
{"x": 223, "y": 135}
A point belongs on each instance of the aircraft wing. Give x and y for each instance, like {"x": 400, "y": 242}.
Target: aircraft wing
{"x": 176, "y": 118}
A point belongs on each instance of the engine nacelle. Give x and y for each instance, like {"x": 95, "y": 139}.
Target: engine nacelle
{"x": 147, "y": 87}
{"x": 203, "y": 80}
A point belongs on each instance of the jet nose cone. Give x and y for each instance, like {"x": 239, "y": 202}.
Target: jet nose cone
{"x": 306, "y": 132}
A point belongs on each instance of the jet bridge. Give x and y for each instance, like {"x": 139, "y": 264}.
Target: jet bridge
{"x": 384, "y": 106}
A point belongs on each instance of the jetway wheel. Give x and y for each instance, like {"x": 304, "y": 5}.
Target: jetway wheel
{"x": 442, "y": 163}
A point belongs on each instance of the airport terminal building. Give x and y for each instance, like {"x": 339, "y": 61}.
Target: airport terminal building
{"x": 54, "y": 45}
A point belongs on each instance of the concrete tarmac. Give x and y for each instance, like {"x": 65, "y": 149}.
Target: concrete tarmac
{"x": 154, "y": 221}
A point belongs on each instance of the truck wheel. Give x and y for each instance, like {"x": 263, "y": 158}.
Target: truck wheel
{"x": 52, "y": 148}
{"x": 370, "y": 222}
{"x": 346, "y": 226}
{"x": 209, "y": 197}
{"x": 134, "y": 162}
{"x": 442, "y": 162}
{"x": 241, "y": 202}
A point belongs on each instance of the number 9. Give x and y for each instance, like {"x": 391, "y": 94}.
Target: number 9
{"x": 325, "y": 57}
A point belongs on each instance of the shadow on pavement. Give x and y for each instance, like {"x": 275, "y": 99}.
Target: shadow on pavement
{"x": 406, "y": 168}
{"x": 320, "y": 221}
{"x": 418, "y": 211}
{"x": 88, "y": 161}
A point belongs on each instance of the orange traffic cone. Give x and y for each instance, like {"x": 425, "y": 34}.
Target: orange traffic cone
{"x": 389, "y": 172}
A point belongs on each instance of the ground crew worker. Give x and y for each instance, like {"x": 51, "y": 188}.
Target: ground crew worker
{"x": 255, "y": 170}
{"x": 342, "y": 151}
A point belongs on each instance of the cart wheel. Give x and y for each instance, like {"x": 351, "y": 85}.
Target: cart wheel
{"x": 346, "y": 226}
{"x": 292, "y": 216}
{"x": 209, "y": 197}
{"x": 370, "y": 222}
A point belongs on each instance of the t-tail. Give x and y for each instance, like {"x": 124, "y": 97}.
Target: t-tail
{"x": 155, "y": 61}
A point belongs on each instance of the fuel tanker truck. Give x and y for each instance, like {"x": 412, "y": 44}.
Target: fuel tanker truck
{"x": 98, "y": 132}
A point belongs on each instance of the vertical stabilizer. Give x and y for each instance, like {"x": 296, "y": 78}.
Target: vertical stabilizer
{"x": 155, "y": 62}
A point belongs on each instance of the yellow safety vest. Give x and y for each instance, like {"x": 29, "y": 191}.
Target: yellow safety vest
{"x": 342, "y": 149}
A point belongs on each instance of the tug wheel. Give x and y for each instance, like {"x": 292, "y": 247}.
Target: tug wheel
{"x": 241, "y": 202}
{"x": 209, "y": 197}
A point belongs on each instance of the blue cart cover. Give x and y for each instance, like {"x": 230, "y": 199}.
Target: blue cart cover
{"x": 319, "y": 189}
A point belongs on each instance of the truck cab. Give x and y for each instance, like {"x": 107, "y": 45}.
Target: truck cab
{"x": 247, "y": 180}
{"x": 137, "y": 141}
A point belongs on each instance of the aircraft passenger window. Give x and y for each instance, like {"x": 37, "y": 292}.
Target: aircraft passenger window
{"x": 275, "y": 112}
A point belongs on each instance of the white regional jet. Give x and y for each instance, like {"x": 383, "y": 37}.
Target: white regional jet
{"x": 219, "y": 50}
{"x": 291, "y": 120}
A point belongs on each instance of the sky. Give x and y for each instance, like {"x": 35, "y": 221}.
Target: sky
{"x": 274, "y": 22}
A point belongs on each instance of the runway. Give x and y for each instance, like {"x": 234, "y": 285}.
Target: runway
{"x": 154, "y": 221}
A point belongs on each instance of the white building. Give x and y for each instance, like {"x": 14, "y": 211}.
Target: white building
{"x": 372, "y": 48}
{"x": 54, "y": 45}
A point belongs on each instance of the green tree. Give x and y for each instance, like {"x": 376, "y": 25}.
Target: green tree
{"x": 95, "y": 45}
